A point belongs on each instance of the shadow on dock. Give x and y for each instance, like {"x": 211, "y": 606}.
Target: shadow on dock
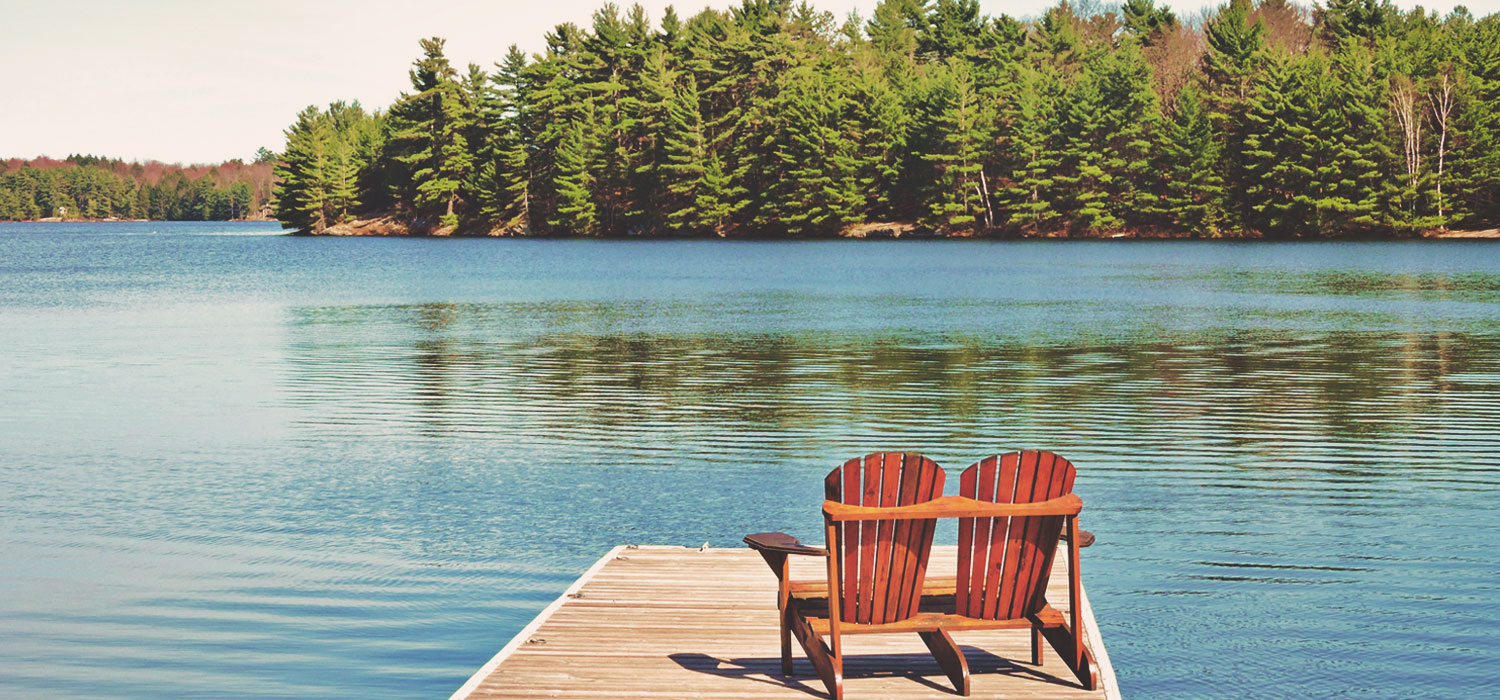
{"x": 918, "y": 668}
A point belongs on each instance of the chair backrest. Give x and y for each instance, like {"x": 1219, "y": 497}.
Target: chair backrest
{"x": 882, "y": 563}
{"x": 1004, "y": 563}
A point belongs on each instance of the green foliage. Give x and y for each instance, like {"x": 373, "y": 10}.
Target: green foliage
{"x": 1147, "y": 21}
{"x": 1343, "y": 21}
{"x": 320, "y": 170}
{"x": 772, "y": 118}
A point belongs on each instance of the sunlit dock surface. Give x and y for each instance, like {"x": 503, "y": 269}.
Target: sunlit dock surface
{"x": 671, "y": 622}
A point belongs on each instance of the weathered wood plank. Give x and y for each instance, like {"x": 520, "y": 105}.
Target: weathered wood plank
{"x": 671, "y": 622}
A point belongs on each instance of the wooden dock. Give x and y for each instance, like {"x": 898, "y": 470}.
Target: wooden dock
{"x": 672, "y": 622}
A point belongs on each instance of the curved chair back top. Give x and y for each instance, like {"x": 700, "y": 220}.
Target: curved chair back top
{"x": 1004, "y": 563}
{"x": 882, "y": 563}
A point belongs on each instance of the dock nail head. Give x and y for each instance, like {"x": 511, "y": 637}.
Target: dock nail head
{"x": 536, "y": 640}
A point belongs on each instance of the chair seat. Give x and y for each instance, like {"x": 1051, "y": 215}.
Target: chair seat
{"x": 928, "y": 620}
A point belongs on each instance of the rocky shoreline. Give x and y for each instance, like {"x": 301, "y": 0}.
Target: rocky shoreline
{"x": 386, "y": 225}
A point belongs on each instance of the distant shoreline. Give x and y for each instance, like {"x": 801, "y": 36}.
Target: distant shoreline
{"x": 59, "y": 220}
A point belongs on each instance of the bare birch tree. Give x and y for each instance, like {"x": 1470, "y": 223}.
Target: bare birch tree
{"x": 1404, "y": 104}
{"x": 1441, "y": 99}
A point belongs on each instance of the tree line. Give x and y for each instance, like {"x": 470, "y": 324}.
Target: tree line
{"x": 91, "y": 187}
{"x": 777, "y": 119}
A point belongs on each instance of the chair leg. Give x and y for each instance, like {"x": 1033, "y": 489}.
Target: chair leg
{"x": 824, "y": 661}
{"x": 786, "y": 643}
{"x": 1071, "y": 648}
{"x": 949, "y": 657}
{"x": 1036, "y": 647}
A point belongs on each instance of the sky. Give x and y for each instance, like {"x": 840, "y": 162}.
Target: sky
{"x": 198, "y": 81}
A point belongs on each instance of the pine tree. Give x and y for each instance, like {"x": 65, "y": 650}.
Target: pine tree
{"x": 578, "y": 158}
{"x": 815, "y": 143}
{"x": 1281, "y": 159}
{"x": 685, "y": 156}
{"x": 556, "y": 102}
{"x": 1193, "y": 191}
{"x": 1029, "y": 123}
{"x": 484, "y": 132}
{"x": 881, "y": 124}
{"x": 700, "y": 196}
{"x": 427, "y": 137}
{"x": 893, "y": 29}
{"x": 306, "y": 173}
{"x": 321, "y": 171}
{"x": 1364, "y": 158}
{"x": 1081, "y": 179}
{"x": 959, "y": 131}
{"x": 953, "y": 30}
{"x": 716, "y": 197}
{"x": 1236, "y": 48}
{"x": 1351, "y": 22}
{"x": 1129, "y": 134}
{"x": 606, "y": 57}
{"x": 1143, "y": 19}
{"x": 510, "y": 204}
{"x": 651, "y": 106}
{"x": 343, "y": 190}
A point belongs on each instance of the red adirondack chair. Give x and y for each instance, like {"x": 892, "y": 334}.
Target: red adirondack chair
{"x": 878, "y": 567}
{"x": 1005, "y": 557}
{"x": 1012, "y": 513}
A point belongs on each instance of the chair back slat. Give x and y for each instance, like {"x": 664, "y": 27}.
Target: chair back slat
{"x": 1017, "y": 542}
{"x": 1040, "y": 544}
{"x": 917, "y": 541}
{"x": 883, "y": 562}
{"x": 1004, "y": 562}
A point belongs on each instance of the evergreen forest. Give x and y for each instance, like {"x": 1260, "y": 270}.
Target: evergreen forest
{"x": 91, "y": 187}
{"x": 775, "y": 119}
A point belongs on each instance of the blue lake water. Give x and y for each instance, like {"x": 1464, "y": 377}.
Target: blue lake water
{"x": 239, "y": 464}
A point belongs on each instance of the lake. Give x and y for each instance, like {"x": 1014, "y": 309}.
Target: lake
{"x": 241, "y": 464}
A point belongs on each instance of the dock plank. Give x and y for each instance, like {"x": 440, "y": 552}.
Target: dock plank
{"x": 672, "y": 622}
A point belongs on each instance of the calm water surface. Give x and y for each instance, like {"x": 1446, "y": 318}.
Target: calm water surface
{"x": 235, "y": 464}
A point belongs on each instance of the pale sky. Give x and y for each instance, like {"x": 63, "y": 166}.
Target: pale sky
{"x": 208, "y": 80}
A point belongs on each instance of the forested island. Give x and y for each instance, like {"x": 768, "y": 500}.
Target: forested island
{"x": 92, "y": 188}
{"x": 772, "y": 119}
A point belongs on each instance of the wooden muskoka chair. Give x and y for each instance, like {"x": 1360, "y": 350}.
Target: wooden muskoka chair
{"x": 879, "y": 518}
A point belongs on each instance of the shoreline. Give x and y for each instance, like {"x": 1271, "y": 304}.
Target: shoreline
{"x": 390, "y": 226}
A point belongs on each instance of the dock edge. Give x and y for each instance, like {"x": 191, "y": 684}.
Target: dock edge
{"x": 484, "y": 671}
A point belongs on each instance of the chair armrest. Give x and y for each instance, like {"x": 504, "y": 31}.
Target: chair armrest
{"x": 782, "y": 543}
{"x": 1085, "y": 538}
{"x": 953, "y": 507}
